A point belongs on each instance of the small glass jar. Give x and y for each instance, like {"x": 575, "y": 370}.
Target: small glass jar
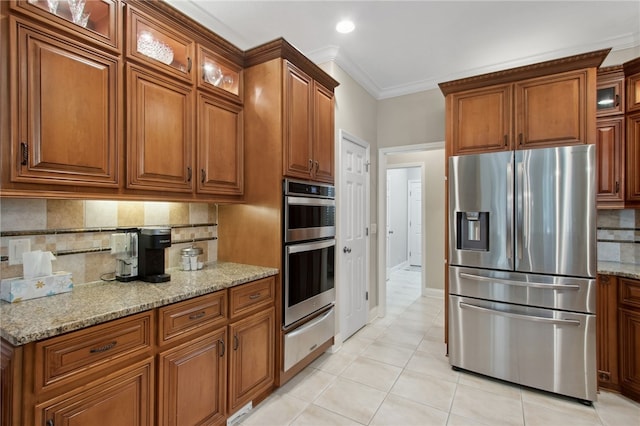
{"x": 191, "y": 258}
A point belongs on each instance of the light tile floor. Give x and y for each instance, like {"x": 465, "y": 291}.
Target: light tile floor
{"x": 394, "y": 372}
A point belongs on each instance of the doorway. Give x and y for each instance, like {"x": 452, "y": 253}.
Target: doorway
{"x": 430, "y": 158}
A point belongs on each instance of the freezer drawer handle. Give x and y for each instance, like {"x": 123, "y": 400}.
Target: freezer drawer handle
{"x": 520, "y": 316}
{"x": 310, "y": 324}
{"x": 521, "y": 283}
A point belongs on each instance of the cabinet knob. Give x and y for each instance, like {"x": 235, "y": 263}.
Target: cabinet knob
{"x": 317, "y": 166}
{"x": 310, "y": 165}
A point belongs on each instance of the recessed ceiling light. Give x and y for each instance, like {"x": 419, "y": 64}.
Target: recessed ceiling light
{"x": 345, "y": 26}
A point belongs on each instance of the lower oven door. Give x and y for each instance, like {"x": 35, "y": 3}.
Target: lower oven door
{"x": 306, "y": 338}
{"x": 308, "y": 278}
{"x": 542, "y": 348}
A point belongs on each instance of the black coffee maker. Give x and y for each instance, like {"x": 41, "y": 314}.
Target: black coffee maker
{"x": 151, "y": 244}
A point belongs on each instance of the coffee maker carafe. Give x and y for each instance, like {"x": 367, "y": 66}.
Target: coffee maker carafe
{"x": 124, "y": 245}
{"x": 151, "y": 244}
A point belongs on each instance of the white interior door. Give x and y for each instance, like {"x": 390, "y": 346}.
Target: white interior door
{"x": 415, "y": 223}
{"x": 353, "y": 237}
{"x": 387, "y": 230}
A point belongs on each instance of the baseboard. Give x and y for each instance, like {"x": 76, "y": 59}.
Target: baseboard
{"x": 433, "y": 292}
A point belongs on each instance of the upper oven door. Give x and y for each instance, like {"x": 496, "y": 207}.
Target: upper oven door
{"x": 308, "y": 218}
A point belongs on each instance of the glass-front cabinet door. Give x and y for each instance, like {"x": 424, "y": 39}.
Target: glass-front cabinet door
{"x": 610, "y": 92}
{"x": 219, "y": 75}
{"x": 159, "y": 45}
{"x": 97, "y": 20}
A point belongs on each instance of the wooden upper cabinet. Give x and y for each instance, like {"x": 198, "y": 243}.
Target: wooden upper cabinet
{"x": 160, "y": 44}
{"x": 220, "y": 147}
{"x": 542, "y": 105}
{"x": 632, "y": 74}
{"x": 633, "y": 159}
{"x": 552, "y": 110}
{"x": 95, "y": 21}
{"x": 219, "y": 75}
{"x": 480, "y": 120}
{"x": 160, "y": 131}
{"x": 298, "y": 101}
{"x": 323, "y": 134}
{"x": 610, "y": 93}
{"x": 67, "y": 111}
{"x": 610, "y": 162}
{"x": 309, "y": 127}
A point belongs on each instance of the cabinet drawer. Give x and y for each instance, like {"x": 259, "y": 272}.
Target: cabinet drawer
{"x": 191, "y": 316}
{"x": 629, "y": 292}
{"x": 252, "y": 296}
{"x": 94, "y": 348}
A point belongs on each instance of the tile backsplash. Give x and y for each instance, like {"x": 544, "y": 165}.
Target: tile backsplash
{"x": 619, "y": 236}
{"x": 78, "y": 231}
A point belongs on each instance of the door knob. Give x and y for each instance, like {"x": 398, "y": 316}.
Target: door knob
{"x": 346, "y": 250}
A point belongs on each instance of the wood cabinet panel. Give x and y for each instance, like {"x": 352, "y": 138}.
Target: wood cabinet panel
{"x": 629, "y": 293}
{"x": 10, "y": 385}
{"x": 323, "y": 136}
{"x": 65, "y": 357}
{"x": 160, "y": 129}
{"x": 633, "y": 92}
{"x": 633, "y": 159}
{"x": 123, "y": 399}
{"x": 298, "y": 138}
{"x": 190, "y": 317}
{"x": 192, "y": 382}
{"x": 552, "y": 110}
{"x": 609, "y": 161}
{"x": 75, "y": 142}
{"x": 220, "y": 147}
{"x": 251, "y": 360}
{"x": 630, "y": 353}
{"x": 480, "y": 120}
{"x": 607, "y": 332}
{"x": 250, "y": 297}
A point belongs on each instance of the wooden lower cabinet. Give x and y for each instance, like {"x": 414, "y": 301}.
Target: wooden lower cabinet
{"x": 252, "y": 358}
{"x": 607, "y": 332}
{"x": 125, "y": 398}
{"x": 192, "y": 382}
{"x": 629, "y": 317}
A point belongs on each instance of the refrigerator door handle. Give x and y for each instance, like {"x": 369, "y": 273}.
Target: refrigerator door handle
{"x": 520, "y": 209}
{"x": 520, "y": 316}
{"x": 520, "y": 283}
{"x": 509, "y": 210}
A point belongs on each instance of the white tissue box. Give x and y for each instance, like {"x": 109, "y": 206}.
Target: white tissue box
{"x": 18, "y": 289}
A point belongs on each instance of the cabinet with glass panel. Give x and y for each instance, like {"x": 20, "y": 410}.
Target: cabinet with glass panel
{"x": 93, "y": 20}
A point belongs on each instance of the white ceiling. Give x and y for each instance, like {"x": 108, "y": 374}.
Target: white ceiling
{"x": 401, "y": 47}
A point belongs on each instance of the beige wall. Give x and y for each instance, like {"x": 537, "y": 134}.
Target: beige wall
{"x": 356, "y": 113}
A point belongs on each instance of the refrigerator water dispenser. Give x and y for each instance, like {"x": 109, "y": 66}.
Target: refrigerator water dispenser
{"x": 472, "y": 231}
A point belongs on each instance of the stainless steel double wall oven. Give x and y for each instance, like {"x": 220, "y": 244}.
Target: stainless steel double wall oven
{"x": 309, "y": 264}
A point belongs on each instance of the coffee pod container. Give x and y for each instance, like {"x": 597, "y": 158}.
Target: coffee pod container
{"x": 191, "y": 258}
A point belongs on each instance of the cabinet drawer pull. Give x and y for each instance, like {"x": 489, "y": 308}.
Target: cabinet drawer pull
{"x": 310, "y": 165}
{"x": 222, "y": 347}
{"x": 104, "y": 348}
{"x": 203, "y": 175}
{"x": 189, "y": 174}
{"x": 506, "y": 140}
{"x": 25, "y": 153}
{"x": 189, "y": 63}
{"x": 254, "y": 296}
{"x": 617, "y": 187}
{"x": 317, "y": 166}
{"x": 520, "y": 138}
{"x": 236, "y": 343}
{"x": 617, "y": 100}
{"x": 197, "y": 316}
{"x": 50, "y": 422}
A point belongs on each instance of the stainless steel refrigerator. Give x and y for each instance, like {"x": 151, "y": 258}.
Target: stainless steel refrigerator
{"x": 522, "y": 267}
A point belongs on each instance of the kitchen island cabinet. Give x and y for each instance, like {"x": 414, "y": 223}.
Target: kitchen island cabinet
{"x": 629, "y": 343}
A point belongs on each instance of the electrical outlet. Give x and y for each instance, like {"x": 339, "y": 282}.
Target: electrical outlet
{"x": 16, "y": 248}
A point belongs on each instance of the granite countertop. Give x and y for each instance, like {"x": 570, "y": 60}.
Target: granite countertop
{"x": 95, "y": 303}
{"x": 628, "y": 270}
